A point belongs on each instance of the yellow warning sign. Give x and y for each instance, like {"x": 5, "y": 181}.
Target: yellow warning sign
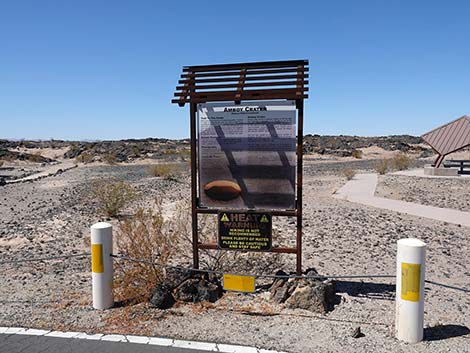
{"x": 97, "y": 258}
{"x": 224, "y": 218}
{"x": 410, "y": 281}
{"x": 237, "y": 283}
{"x": 264, "y": 219}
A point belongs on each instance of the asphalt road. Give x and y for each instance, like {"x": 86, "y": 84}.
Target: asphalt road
{"x": 42, "y": 344}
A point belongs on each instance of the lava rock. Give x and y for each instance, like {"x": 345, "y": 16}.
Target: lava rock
{"x": 162, "y": 297}
{"x": 175, "y": 276}
{"x": 203, "y": 288}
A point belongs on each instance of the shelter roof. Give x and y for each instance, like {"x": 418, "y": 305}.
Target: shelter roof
{"x": 450, "y": 137}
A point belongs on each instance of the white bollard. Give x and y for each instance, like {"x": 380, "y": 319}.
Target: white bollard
{"x": 410, "y": 290}
{"x": 102, "y": 265}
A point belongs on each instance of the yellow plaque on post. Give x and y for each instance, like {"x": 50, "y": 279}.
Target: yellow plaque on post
{"x": 410, "y": 281}
{"x": 245, "y": 284}
{"x": 97, "y": 258}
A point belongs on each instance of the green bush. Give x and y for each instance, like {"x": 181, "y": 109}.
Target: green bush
{"x": 349, "y": 174}
{"x": 382, "y": 166}
{"x": 113, "y": 196}
{"x": 402, "y": 161}
{"x": 357, "y": 154}
{"x": 109, "y": 158}
{"x": 166, "y": 171}
{"x": 84, "y": 157}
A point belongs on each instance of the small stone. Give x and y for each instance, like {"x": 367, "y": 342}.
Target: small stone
{"x": 356, "y": 332}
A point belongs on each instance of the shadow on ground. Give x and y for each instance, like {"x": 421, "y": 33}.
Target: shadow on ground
{"x": 367, "y": 289}
{"x": 443, "y": 332}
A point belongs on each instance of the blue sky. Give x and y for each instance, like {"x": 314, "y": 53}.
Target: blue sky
{"x": 94, "y": 69}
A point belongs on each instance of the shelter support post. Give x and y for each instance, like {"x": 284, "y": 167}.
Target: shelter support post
{"x": 438, "y": 161}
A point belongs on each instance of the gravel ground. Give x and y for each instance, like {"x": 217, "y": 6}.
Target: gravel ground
{"x": 52, "y": 216}
{"x": 441, "y": 192}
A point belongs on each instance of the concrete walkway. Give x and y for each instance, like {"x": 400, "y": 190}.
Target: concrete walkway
{"x": 362, "y": 189}
{"x": 419, "y": 172}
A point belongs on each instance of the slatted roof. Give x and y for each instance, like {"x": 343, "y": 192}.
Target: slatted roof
{"x": 243, "y": 81}
{"x": 450, "y": 137}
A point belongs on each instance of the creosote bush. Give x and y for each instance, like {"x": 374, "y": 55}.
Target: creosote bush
{"x": 401, "y": 161}
{"x": 113, "y": 195}
{"x": 84, "y": 157}
{"x": 148, "y": 237}
{"x": 109, "y": 158}
{"x": 167, "y": 170}
{"x": 349, "y": 174}
{"x": 357, "y": 154}
{"x": 35, "y": 158}
{"x": 382, "y": 166}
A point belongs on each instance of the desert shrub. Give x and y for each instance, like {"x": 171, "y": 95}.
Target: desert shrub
{"x": 84, "y": 157}
{"x": 166, "y": 171}
{"x": 401, "y": 161}
{"x": 349, "y": 174}
{"x": 36, "y": 158}
{"x": 136, "y": 151}
{"x": 109, "y": 158}
{"x": 357, "y": 154}
{"x": 382, "y": 166}
{"x": 113, "y": 196}
{"x": 184, "y": 154}
{"x": 146, "y": 237}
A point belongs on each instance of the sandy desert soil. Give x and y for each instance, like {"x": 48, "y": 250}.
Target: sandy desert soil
{"x": 52, "y": 216}
{"x": 440, "y": 192}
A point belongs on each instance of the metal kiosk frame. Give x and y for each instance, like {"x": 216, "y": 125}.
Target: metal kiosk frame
{"x": 283, "y": 80}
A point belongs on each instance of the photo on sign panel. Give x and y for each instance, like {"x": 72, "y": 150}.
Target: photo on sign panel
{"x": 247, "y": 155}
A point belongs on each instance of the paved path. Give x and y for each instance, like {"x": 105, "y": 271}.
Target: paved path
{"x": 24, "y": 340}
{"x": 362, "y": 189}
{"x": 37, "y": 344}
{"x": 419, "y": 172}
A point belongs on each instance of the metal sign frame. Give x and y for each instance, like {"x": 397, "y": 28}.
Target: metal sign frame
{"x": 282, "y": 80}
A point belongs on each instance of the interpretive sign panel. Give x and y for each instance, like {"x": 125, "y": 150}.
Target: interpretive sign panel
{"x": 247, "y": 155}
{"x": 245, "y": 231}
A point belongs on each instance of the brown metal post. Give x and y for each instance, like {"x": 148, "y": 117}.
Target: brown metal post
{"x": 300, "y": 138}
{"x": 192, "y": 118}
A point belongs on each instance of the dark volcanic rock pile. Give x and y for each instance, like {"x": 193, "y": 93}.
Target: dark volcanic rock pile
{"x": 344, "y": 146}
{"x": 187, "y": 286}
{"x": 21, "y": 156}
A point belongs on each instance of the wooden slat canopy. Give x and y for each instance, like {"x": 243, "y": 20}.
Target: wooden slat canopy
{"x": 243, "y": 81}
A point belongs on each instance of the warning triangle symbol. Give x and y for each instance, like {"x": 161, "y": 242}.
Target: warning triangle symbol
{"x": 264, "y": 219}
{"x": 224, "y": 218}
